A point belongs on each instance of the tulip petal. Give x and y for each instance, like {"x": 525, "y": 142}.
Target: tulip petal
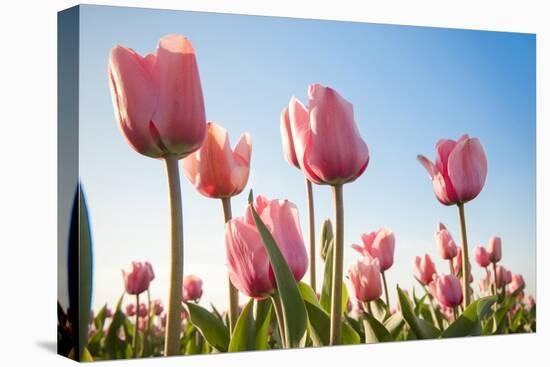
{"x": 427, "y": 164}
{"x": 180, "y": 115}
{"x": 288, "y": 141}
{"x": 134, "y": 98}
{"x": 468, "y": 168}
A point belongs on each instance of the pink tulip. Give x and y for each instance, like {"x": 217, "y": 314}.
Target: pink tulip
{"x": 481, "y": 256}
{"x": 249, "y": 267}
{"x": 457, "y": 265}
{"x": 379, "y": 245}
{"x": 157, "y": 307}
{"x": 447, "y": 290}
{"x": 142, "y": 324}
{"x": 138, "y": 280}
{"x": 131, "y": 309}
{"x": 446, "y": 312}
{"x": 364, "y": 276}
{"x": 142, "y": 310}
{"x": 288, "y": 142}
{"x": 215, "y": 169}
{"x": 192, "y": 288}
{"x": 517, "y": 283}
{"x": 530, "y": 302}
{"x": 158, "y": 98}
{"x": 327, "y": 144}
{"x": 494, "y": 249}
{"x": 445, "y": 243}
{"x": 507, "y": 276}
{"x": 501, "y": 276}
{"x": 460, "y": 170}
{"x": 424, "y": 269}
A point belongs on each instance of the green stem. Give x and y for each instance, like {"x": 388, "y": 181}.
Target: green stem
{"x": 495, "y": 287}
{"x": 136, "y": 327}
{"x": 233, "y": 292}
{"x": 337, "y": 267}
{"x": 280, "y": 321}
{"x": 311, "y": 222}
{"x": 173, "y": 323}
{"x": 465, "y": 258}
{"x": 386, "y": 290}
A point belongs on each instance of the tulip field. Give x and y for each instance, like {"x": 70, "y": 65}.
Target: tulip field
{"x": 159, "y": 106}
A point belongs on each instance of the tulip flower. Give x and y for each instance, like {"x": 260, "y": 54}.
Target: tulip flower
{"x": 481, "y": 256}
{"x": 215, "y": 169}
{"x": 364, "y": 276}
{"x": 507, "y": 276}
{"x": 248, "y": 262}
{"x": 530, "y": 302}
{"x": 458, "y": 176}
{"x": 379, "y": 245}
{"x": 517, "y": 283}
{"x": 457, "y": 265}
{"x": 192, "y": 288}
{"x": 138, "y": 279}
{"x": 494, "y": 249}
{"x": 108, "y": 312}
{"x": 131, "y": 309}
{"x": 447, "y": 290}
{"x": 290, "y": 156}
{"x": 500, "y": 276}
{"x": 424, "y": 269}
{"x": 159, "y": 106}
{"x": 445, "y": 243}
{"x": 142, "y": 310}
{"x": 157, "y": 307}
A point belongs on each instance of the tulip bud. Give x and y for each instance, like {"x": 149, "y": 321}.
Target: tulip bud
{"x": 424, "y": 269}
{"x": 517, "y": 283}
{"x": 481, "y": 256}
{"x": 445, "y": 243}
{"x": 460, "y": 170}
{"x": 131, "y": 309}
{"x": 157, "y": 307}
{"x": 215, "y": 170}
{"x": 365, "y": 280}
{"x": 192, "y": 288}
{"x": 142, "y": 310}
{"x": 379, "y": 245}
{"x": 494, "y": 249}
{"x": 327, "y": 236}
{"x": 447, "y": 290}
{"x": 138, "y": 279}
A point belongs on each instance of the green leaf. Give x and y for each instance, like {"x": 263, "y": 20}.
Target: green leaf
{"x": 375, "y": 332}
{"x": 251, "y": 330}
{"x": 293, "y": 308}
{"x": 394, "y": 324}
{"x": 421, "y": 328}
{"x": 115, "y": 347}
{"x": 319, "y": 321}
{"x": 213, "y": 330}
{"x": 99, "y": 320}
{"x": 469, "y": 323}
{"x": 325, "y": 241}
{"x": 326, "y": 290}
{"x": 308, "y": 294}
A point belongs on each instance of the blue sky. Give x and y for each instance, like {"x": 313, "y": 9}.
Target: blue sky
{"x": 410, "y": 86}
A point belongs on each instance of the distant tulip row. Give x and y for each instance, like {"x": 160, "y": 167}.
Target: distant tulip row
{"x": 159, "y": 105}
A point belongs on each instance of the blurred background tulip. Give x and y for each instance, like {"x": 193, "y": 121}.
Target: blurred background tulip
{"x": 445, "y": 243}
{"x": 517, "y": 283}
{"x": 192, "y": 288}
{"x": 424, "y": 269}
{"x": 481, "y": 256}
{"x": 494, "y": 249}
{"x": 216, "y": 170}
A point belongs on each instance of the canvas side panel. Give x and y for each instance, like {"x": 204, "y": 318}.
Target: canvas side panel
{"x": 67, "y": 177}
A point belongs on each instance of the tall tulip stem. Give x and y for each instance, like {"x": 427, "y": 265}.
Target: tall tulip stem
{"x": 233, "y": 292}
{"x": 280, "y": 321}
{"x": 311, "y": 222}
{"x": 386, "y": 290}
{"x": 136, "y": 327}
{"x": 337, "y": 267}
{"x": 173, "y": 324}
{"x": 495, "y": 287}
{"x": 465, "y": 258}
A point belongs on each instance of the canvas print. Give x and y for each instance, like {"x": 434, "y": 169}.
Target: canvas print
{"x": 234, "y": 183}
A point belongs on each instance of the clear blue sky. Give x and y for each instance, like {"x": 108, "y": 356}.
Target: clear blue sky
{"x": 410, "y": 86}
